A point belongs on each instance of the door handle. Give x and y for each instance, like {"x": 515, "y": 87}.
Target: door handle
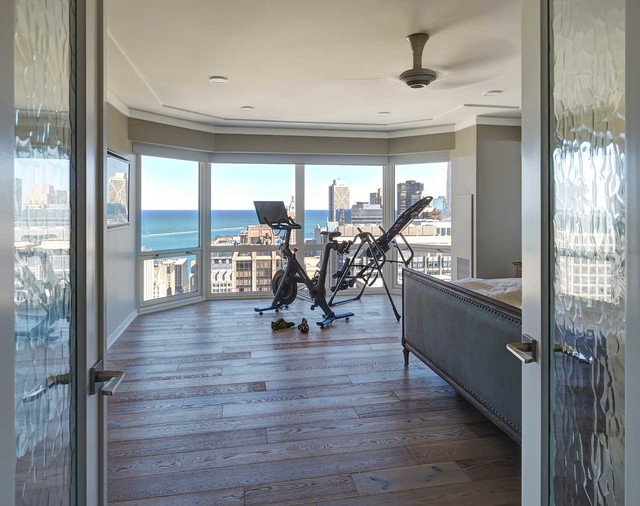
{"x": 110, "y": 378}
{"x": 565, "y": 349}
{"x": 525, "y": 351}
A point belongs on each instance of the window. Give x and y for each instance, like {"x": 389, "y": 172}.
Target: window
{"x": 244, "y": 254}
{"x": 430, "y": 234}
{"x": 169, "y": 228}
{"x": 344, "y": 198}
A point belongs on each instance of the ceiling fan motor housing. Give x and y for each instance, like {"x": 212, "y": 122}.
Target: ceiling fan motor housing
{"x": 418, "y": 78}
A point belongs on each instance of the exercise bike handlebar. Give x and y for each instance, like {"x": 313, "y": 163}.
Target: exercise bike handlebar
{"x": 283, "y": 224}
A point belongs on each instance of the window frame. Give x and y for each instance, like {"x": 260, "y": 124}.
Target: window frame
{"x": 204, "y": 250}
{"x": 142, "y": 256}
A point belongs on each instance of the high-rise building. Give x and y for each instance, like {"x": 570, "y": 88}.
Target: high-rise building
{"x": 408, "y": 193}
{"x": 254, "y": 270}
{"x": 366, "y": 214}
{"x": 167, "y": 277}
{"x": 375, "y": 198}
{"x": 40, "y": 196}
{"x": 339, "y": 199}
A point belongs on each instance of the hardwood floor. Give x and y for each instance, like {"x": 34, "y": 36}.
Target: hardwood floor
{"x": 218, "y": 409}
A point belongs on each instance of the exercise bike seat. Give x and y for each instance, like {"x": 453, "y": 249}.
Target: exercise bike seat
{"x": 331, "y": 235}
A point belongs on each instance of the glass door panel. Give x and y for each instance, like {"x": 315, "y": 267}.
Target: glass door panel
{"x": 588, "y": 252}
{"x": 43, "y": 252}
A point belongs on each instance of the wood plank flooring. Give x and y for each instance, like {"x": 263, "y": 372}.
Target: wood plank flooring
{"x": 218, "y": 409}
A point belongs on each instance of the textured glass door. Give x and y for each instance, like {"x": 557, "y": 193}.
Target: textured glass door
{"x": 588, "y": 252}
{"x": 44, "y": 257}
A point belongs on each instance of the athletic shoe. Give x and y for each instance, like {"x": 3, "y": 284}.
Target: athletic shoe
{"x": 281, "y": 324}
{"x": 304, "y": 326}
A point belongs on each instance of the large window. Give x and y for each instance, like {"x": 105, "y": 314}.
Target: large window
{"x": 244, "y": 256}
{"x": 430, "y": 234}
{"x": 169, "y": 227}
{"x": 346, "y": 198}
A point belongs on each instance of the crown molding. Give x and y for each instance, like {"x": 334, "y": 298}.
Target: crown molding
{"x": 301, "y": 132}
{"x": 116, "y": 102}
{"x": 488, "y": 121}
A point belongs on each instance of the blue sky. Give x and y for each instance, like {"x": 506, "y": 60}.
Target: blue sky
{"x": 172, "y": 184}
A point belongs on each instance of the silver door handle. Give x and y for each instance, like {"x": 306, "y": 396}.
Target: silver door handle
{"x": 111, "y": 379}
{"x": 525, "y": 351}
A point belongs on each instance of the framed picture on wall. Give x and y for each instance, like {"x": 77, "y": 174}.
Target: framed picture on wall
{"x": 117, "y": 189}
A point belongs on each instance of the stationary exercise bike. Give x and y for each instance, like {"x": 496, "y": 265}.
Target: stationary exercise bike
{"x": 285, "y": 281}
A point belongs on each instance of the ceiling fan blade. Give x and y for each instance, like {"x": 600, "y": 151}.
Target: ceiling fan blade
{"x": 451, "y": 83}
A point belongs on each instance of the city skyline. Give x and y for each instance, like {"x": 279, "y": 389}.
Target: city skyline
{"x": 172, "y": 184}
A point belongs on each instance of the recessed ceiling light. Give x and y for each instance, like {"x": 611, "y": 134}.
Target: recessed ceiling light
{"x": 492, "y": 93}
{"x": 218, "y": 79}
{"x": 384, "y": 113}
{"x": 247, "y": 108}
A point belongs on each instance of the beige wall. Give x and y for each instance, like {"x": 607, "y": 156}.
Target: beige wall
{"x": 120, "y": 243}
{"x": 149, "y": 132}
{"x": 486, "y": 163}
{"x": 499, "y": 202}
{"x": 463, "y": 182}
{"x": 118, "y": 131}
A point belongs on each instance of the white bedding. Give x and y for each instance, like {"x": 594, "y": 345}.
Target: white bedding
{"x": 507, "y": 290}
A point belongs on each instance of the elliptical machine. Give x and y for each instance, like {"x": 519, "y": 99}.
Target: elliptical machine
{"x": 285, "y": 281}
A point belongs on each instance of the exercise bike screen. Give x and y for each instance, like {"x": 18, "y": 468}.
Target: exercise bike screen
{"x": 270, "y": 211}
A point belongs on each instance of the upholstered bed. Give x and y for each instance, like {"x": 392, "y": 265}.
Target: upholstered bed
{"x": 462, "y": 335}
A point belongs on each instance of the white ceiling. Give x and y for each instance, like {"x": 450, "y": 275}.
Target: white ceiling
{"x": 313, "y": 63}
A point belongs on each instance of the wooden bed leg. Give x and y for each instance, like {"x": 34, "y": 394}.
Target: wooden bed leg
{"x": 406, "y": 357}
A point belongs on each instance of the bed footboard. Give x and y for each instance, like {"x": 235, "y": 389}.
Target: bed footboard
{"x": 462, "y": 336}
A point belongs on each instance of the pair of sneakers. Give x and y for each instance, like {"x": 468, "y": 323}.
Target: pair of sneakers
{"x": 282, "y": 324}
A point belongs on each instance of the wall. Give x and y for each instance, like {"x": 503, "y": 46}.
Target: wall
{"x": 120, "y": 243}
{"x": 149, "y": 132}
{"x": 486, "y": 163}
{"x": 499, "y": 202}
{"x": 463, "y": 182}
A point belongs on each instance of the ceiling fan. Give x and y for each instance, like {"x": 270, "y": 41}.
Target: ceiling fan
{"x": 454, "y": 75}
{"x": 418, "y": 76}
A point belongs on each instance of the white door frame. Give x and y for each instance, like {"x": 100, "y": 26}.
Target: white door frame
{"x": 89, "y": 230}
{"x": 535, "y": 250}
{"x": 7, "y": 340}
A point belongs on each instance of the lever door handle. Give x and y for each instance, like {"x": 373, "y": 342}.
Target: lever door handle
{"x": 110, "y": 378}
{"x": 525, "y": 351}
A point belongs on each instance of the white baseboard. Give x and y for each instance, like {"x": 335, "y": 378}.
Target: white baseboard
{"x": 115, "y": 335}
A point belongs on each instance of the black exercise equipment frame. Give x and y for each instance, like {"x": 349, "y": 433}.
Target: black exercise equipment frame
{"x": 368, "y": 260}
{"x": 294, "y": 273}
